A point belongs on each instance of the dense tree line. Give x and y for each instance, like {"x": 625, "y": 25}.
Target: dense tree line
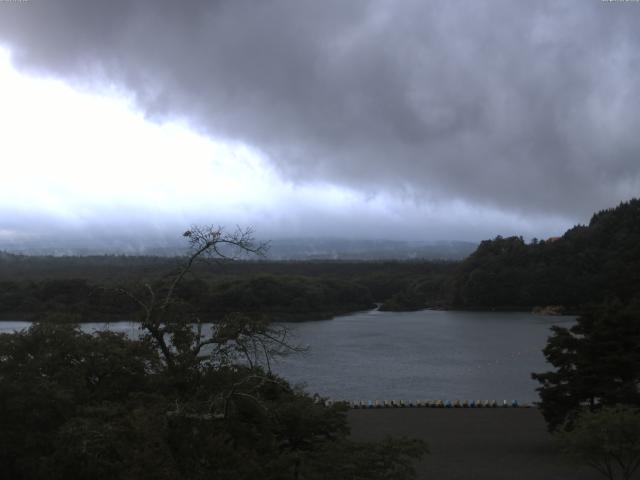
{"x": 76, "y": 299}
{"x": 283, "y": 298}
{"x": 588, "y": 264}
{"x": 289, "y": 297}
{"x": 382, "y": 277}
{"x": 31, "y": 287}
{"x": 428, "y": 290}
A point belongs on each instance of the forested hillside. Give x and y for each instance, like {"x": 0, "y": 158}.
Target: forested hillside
{"x": 89, "y": 288}
{"x": 587, "y": 264}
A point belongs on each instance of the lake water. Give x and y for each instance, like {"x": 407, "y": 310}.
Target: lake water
{"x": 422, "y": 355}
{"x": 414, "y": 355}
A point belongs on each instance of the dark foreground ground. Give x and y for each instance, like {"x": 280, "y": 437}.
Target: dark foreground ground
{"x": 478, "y": 444}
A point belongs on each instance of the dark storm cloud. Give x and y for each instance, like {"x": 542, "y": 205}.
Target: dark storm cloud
{"x": 525, "y": 106}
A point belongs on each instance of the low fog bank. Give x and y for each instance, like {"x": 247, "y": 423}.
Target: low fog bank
{"x": 279, "y": 249}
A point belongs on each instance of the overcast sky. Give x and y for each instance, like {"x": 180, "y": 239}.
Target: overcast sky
{"x": 412, "y": 119}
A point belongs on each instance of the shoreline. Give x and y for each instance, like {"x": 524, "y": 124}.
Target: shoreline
{"x": 282, "y": 317}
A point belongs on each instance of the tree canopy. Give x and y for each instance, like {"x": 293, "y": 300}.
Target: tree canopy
{"x": 607, "y": 440}
{"x": 588, "y": 264}
{"x": 597, "y": 363}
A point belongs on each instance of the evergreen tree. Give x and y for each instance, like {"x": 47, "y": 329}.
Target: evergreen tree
{"x": 597, "y": 363}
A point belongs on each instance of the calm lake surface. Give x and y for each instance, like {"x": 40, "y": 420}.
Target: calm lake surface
{"x": 414, "y": 355}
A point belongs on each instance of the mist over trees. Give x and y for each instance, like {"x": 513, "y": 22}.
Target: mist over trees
{"x": 588, "y": 264}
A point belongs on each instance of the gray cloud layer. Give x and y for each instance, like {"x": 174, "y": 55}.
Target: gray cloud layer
{"x": 525, "y": 106}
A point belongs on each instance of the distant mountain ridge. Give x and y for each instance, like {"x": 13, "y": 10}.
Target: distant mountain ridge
{"x": 279, "y": 249}
{"x": 342, "y": 249}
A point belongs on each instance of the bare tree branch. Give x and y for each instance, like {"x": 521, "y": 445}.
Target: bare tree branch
{"x": 252, "y": 340}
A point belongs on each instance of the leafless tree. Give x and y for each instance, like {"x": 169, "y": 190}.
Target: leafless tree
{"x": 180, "y": 338}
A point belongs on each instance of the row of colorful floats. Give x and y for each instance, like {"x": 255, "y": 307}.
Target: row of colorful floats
{"x": 362, "y": 404}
